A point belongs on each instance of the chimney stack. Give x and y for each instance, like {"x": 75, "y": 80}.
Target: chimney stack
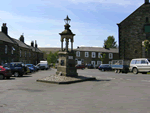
{"x": 21, "y": 38}
{"x": 146, "y": 1}
{"x": 32, "y": 43}
{"x": 35, "y": 44}
{"x": 105, "y": 46}
{"x": 4, "y": 28}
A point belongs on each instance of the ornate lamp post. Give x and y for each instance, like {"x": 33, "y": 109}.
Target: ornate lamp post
{"x": 66, "y": 64}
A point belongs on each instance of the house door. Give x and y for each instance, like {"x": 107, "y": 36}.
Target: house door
{"x": 93, "y": 63}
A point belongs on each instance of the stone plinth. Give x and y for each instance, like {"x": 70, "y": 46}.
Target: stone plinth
{"x": 56, "y": 79}
{"x": 66, "y": 64}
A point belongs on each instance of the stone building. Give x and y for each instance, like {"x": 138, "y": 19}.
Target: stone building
{"x": 90, "y": 55}
{"x": 13, "y": 50}
{"x": 133, "y": 30}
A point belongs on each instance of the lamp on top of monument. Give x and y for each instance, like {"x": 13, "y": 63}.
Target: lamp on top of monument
{"x": 67, "y": 20}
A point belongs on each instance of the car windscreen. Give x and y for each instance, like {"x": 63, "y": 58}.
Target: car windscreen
{"x": 6, "y": 65}
{"x": 18, "y": 65}
{"x": 29, "y": 65}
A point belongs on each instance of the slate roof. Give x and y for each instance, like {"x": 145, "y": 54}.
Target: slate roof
{"x": 33, "y": 48}
{"x": 5, "y": 38}
{"x": 20, "y": 43}
{"x": 92, "y": 49}
{"x": 98, "y": 49}
{"x": 48, "y": 49}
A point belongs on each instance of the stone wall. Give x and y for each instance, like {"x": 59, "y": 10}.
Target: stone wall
{"x": 131, "y": 33}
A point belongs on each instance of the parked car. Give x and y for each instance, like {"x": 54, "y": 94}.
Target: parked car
{"x": 26, "y": 69}
{"x": 5, "y": 72}
{"x": 17, "y": 68}
{"x": 31, "y": 67}
{"x": 141, "y": 65}
{"x": 80, "y": 66}
{"x": 105, "y": 67}
{"x": 90, "y": 66}
{"x": 43, "y": 66}
{"x": 36, "y": 68}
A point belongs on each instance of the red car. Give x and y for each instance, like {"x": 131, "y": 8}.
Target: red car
{"x": 80, "y": 66}
{"x": 5, "y": 72}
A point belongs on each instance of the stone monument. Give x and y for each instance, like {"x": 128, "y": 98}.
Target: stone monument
{"x": 66, "y": 70}
{"x": 66, "y": 64}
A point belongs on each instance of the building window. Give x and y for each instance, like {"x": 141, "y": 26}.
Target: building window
{"x": 100, "y": 55}
{"x": 99, "y": 63}
{"x": 110, "y": 55}
{"x": 12, "y": 59}
{"x": 110, "y": 62}
{"x": 12, "y": 51}
{"x": 78, "y": 53}
{"x": 29, "y": 54}
{"x": 93, "y": 55}
{"x": 86, "y": 54}
{"x": 20, "y": 53}
{"x": 5, "y": 49}
{"x": 25, "y": 53}
{"x": 82, "y": 61}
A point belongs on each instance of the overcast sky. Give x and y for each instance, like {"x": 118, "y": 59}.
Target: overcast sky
{"x": 91, "y": 20}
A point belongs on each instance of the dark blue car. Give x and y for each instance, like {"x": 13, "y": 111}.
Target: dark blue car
{"x": 105, "y": 67}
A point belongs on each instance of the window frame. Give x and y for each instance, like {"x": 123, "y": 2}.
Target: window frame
{"x": 100, "y": 55}
{"x": 86, "y": 54}
{"x": 12, "y": 51}
{"x": 110, "y": 55}
{"x": 77, "y": 53}
{"x": 93, "y": 53}
{"x": 6, "y": 47}
{"x": 20, "y": 53}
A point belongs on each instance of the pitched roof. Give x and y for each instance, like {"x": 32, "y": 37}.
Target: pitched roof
{"x": 38, "y": 50}
{"x": 20, "y": 43}
{"x": 92, "y": 49}
{"x": 33, "y": 48}
{"x": 133, "y": 12}
{"x": 97, "y": 49}
{"x": 48, "y": 49}
{"x": 5, "y": 38}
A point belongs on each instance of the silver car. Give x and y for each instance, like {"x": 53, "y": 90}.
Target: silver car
{"x": 140, "y": 65}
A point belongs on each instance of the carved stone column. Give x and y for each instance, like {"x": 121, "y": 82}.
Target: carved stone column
{"x": 66, "y": 44}
{"x": 71, "y": 44}
{"x": 62, "y": 40}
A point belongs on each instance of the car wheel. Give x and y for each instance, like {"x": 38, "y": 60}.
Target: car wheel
{"x": 1, "y": 77}
{"x": 116, "y": 70}
{"x": 103, "y": 70}
{"x": 119, "y": 70}
{"x": 16, "y": 74}
{"x": 135, "y": 71}
{"x": 7, "y": 77}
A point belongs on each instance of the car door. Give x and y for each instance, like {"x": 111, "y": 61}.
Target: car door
{"x": 138, "y": 65}
{"x": 145, "y": 65}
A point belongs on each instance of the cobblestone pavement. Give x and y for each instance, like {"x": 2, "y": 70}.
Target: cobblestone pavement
{"x": 111, "y": 93}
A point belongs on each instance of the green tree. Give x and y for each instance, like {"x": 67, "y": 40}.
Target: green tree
{"x": 110, "y": 42}
{"x": 102, "y": 57}
{"x": 44, "y": 55}
{"x": 52, "y": 57}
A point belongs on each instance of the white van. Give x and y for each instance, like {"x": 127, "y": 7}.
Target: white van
{"x": 140, "y": 65}
{"x": 44, "y": 62}
{"x": 43, "y": 65}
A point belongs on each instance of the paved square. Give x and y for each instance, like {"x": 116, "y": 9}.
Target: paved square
{"x": 111, "y": 93}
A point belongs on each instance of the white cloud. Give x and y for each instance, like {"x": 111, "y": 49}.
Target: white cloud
{"x": 47, "y": 45}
